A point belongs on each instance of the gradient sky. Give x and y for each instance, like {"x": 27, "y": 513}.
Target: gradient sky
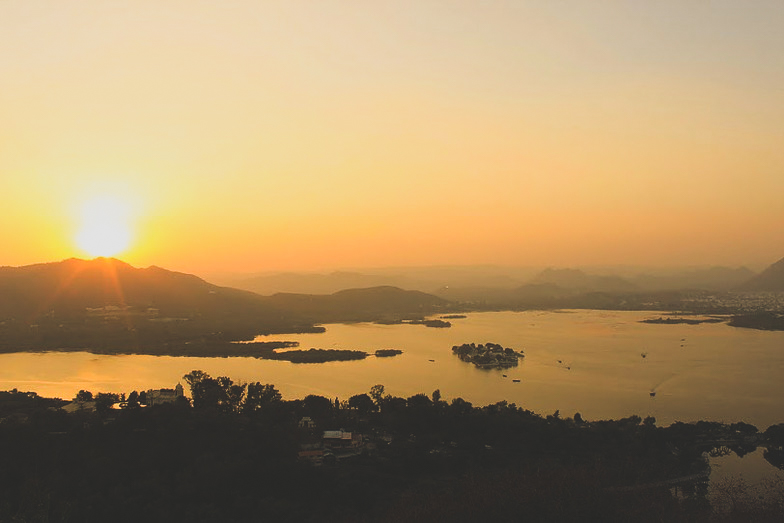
{"x": 250, "y": 136}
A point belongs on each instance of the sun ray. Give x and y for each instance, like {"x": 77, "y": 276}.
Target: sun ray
{"x": 108, "y": 268}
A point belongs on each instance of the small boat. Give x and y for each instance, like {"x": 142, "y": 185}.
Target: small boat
{"x": 504, "y": 375}
{"x": 516, "y": 381}
{"x": 431, "y": 360}
{"x": 653, "y": 393}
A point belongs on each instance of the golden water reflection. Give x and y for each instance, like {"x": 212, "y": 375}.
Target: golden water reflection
{"x": 576, "y": 361}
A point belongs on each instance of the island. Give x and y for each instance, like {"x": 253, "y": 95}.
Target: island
{"x": 387, "y": 353}
{"x": 437, "y": 324}
{"x": 488, "y": 356}
{"x": 678, "y": 320}
{"x": 321, "y": 355}
{"x": 315, "y": 355}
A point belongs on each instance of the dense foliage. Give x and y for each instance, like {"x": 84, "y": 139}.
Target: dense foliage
{"x": 231, "y": 454}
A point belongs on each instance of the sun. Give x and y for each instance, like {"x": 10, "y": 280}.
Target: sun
{"x": 105, "y": 227}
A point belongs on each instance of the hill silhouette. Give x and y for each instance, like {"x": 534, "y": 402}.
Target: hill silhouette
{"x": 375, "y": 303}
{"x": 312, "y": 283}
{"x": 74, "y": 285}
{"x": 106, "y": 303}
{"x": 769, "y": 280}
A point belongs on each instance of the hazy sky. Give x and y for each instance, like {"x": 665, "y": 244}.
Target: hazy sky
{"x": 253, "y": 135}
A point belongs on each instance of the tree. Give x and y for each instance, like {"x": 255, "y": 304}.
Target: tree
{"x": 233, "y": 395}
{"x": 317, "y": 407}
{"x": 207, "y": 392}
{"x": 84, "y": 395}
{"x": 260, "y": 396}
{"x": 194, "y": 378}
{"x": 775, "y": 436}
{"x": 436, "y": 396}
{"x": 363, "y": 403}
{"x": 419, "y": 402}
{"x": 104, "y": 401}
{"x": 133, "y": 401}
{"x": 377, "y": 393}
{"x": 460, "y": 407}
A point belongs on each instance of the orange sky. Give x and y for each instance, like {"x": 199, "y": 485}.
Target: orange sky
{"x": 251, "y": 136}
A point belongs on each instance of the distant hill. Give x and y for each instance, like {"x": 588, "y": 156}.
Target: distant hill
{"x": 425, "y": 279}
{"x": 312, "y": 283}
{"x": 577, "y": 280}
{"x": 706, "y": 279}
{"x": 769, "y": 280}
{"x": 576, "y": 287}
{"x": 360, "y": 304}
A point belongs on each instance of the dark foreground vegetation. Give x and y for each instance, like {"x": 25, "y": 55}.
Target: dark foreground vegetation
{"x": 239, "y": 452}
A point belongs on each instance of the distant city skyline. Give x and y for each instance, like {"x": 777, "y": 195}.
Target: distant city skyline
{"x": 317, "y": 136}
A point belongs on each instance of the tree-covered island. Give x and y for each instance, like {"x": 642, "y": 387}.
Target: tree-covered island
{"x": 387, "y": 353}
{"x": 670, "y": 320}
{"x": 488, "y": 356}
{"x": 434, "y": 323}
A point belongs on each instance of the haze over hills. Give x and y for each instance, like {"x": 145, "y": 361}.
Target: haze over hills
{"x": 577, "y": 280}
{"x": 769, "y": 280}
{"x": 425, "y": 279}
{"x": 504, "y": 286}
{"x": 706, "y": 279}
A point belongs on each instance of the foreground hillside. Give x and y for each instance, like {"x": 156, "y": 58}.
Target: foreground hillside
{"x": 243, "y": 453}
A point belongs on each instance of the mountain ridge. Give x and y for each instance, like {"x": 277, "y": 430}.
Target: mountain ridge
{"x": 170, "y": 304}
{"x": 769, "y": 280}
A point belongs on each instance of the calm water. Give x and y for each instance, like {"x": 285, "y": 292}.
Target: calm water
{"x": 576, "y": 361}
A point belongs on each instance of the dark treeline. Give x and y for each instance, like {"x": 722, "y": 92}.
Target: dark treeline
{"x": 231, "y": 454}
{"x": 766, "y": 320}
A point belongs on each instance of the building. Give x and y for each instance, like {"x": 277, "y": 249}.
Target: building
{"x": 161, "y": 396}
{"x": 307, "y": 423}
{"x": 340, "y": 439}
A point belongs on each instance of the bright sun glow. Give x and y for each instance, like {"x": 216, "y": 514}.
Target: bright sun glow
{"x": 105, "y": 228}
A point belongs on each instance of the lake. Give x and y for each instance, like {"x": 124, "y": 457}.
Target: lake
{"x": 584, "y": 361}
{"x": 575, "y": 361}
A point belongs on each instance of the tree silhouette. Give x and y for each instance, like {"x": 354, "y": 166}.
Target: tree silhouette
{"x": 260, "y": 396}
{"x": 363, "y": 403}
